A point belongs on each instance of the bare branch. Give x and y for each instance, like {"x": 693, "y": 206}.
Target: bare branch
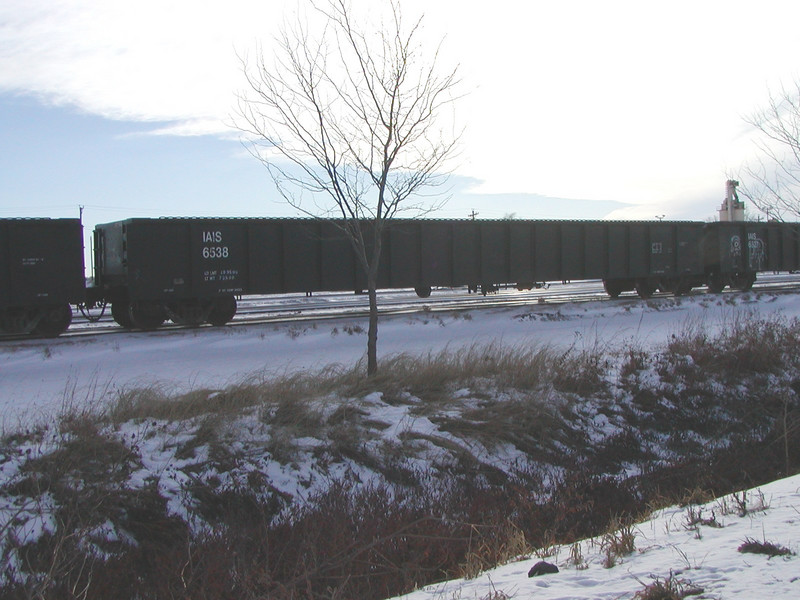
{"x": 772, "y": 182}
{"x": 348, "y": 123}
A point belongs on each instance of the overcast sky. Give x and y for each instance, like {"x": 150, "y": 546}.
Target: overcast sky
{"x": 580, "y": 109}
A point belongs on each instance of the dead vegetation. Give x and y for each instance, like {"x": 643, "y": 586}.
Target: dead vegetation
{"x": 330, "y": 485}
{"x": 672, "y": 587}
{"x": 770, "y": 549}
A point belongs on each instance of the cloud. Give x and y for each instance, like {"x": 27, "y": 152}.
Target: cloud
{"x": 623, "y": 100}
{"x": 192, "y": 127}
{"x": 145, "y": 61}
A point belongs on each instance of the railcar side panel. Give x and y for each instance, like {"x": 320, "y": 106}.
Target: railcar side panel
{"x": 157, "y": 258}
{"x": 547, "y": 250}
{"x": 436, "y": 243}
{"x": 662, "y": 250}
{"x": 729, "y": 248}
{"x": 301, "y": 255}
{"x": 791, "y": 246}
{"x": 466, "y": 253}
{"x": 218, "y": 263}
{"x": 338, "y": 268}
{"x": 494, "y": 252}
{"x": 404, "y": 254}
{"x": 639, "y": 251}
{"x": 757, "y": 247}
{"x": 689, "y": 248}
{"x": 520, "y": 250}
{"x": 42, "y": 262}
{"x": 782, "y": 246}
{"x": 171, "y": 259}
{"x": 775, "y": 249}
{"x": 596, "y": 250}
{"x": 780, "y": 250}
{"x": 712, "y": 259}
{"x": 384, "y": 267}
{"x": 738, "y": 247}
{"x": 573, "y": 258}
{"x": 619, "y": 247}
{"x": 266, "y": 257}
{"x": 5, "y": 265}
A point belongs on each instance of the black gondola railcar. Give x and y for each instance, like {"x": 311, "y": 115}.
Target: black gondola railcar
{"x": 191, "y": 270}
{"x": 41, "y": 274}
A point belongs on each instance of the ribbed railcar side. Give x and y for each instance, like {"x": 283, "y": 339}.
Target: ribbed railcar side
{"x": 41, "y": 274}
{"x": 192, "y": 270}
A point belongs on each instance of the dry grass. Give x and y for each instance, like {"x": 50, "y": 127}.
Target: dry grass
{"x": 485, "y": 552}
{"x": 618, "y": 542}
{"x": 669, "y": 588}
{"x": 752, "y": 546}
{"x": 522, "y": 403}
{"x": 430, "y": 374}
{"x": 530, "y": 422}
{"x": 743, "y": 345}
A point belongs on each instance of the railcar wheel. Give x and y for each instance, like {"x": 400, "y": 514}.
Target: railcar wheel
{"x": 644, "y": 288}
{"x": 613, "y": 288}
{"x": 223, "y": 311}
{"x": 17, "y": 320}
{"x": 120, "y": 312}
{"x": 716, "y": 284}
{"x": 54, "y": 321}
{"x": 147, "y": 315}
{"x": 423, "y": 291}
{"x": 188, "y": 312}
{"x": 682, "y": 288}
{"x": 743, "y": 282}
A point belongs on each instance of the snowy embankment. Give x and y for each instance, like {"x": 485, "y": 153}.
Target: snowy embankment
{"x": 696, "y": 548}
{"x": 41, "y": 377}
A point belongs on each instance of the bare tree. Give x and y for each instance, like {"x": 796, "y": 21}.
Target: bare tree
{"x": 348, "y": 122}
{"x": 772, "y": 182}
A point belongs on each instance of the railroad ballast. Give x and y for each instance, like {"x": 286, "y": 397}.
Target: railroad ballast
{"x": 191, "y": 271}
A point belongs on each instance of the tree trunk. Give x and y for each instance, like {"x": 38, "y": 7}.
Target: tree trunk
{"x": 372, "y": 334}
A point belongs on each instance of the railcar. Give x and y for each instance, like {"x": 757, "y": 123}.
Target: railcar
{"x": 736, "y": 251}
{"x": 191, "y": 271}
{"x": 41, "y": 274}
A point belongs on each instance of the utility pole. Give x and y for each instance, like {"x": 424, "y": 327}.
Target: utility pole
{"x": 473, "y": 214}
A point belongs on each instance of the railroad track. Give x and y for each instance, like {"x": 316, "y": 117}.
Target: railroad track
{"x": 325, "y": 306}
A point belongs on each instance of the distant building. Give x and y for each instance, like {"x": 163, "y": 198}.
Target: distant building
{"x": 732, "y": 208}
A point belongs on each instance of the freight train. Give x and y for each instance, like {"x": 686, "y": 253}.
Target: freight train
{"x": 192, "y": 270}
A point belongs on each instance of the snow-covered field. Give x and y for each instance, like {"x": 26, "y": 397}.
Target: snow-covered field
{"x": 702, "y": 557}
{"x": 38, "y": 377}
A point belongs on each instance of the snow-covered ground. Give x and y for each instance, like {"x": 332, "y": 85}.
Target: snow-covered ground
{"x": 38, "y": 377}
{"x": 703, "y": 557}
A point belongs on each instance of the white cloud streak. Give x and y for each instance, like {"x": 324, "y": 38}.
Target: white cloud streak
{"x": 143, "y": 61}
